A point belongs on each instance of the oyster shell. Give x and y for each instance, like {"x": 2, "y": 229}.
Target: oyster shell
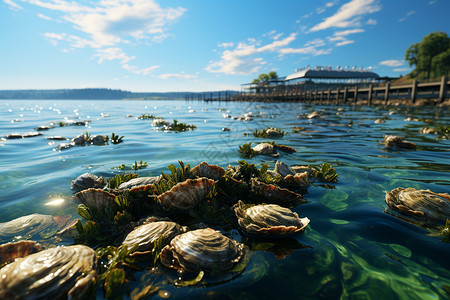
{"x": 79, "y": 140}
{"x": 209, "y": 171}
{"x": 96, "y": 198}
{"x": 268, "y": 219}
{"x": 265, "y": 149}
{"x": 145, "y": 235}
{"x": 35, "y": 226}
{"x": 283, "y": 169}
{"x": 392, "y": 141}
{"x": 86, "y": 181}
{"x": 299, "y": 179}
{"x": 204, "y": 249}
{"x": 274, "y": 194}
{"x": 273, "y": 134}
{"x": 139, "y": 181}
{"x": 56, "y": 273}
{"x": 420, "y": 204}
{"x": 187, "y": 194}
{"x": 10, "y": 251}
{"x": 98, "y": 140}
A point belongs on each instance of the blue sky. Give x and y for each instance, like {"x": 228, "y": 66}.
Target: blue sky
{"x": 200, "y": 45}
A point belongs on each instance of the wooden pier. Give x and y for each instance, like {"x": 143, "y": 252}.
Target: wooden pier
{"x": 409, "y": 94}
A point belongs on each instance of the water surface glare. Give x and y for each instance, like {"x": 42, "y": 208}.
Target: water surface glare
{"x": 351, "y": 249}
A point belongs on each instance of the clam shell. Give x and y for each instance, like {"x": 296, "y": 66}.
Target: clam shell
{"x": 283, "y": 169}
{"x": 36, "y": 226}
{"x": 56, "y": 273}
{"x": 187, "y": 194}
{"x": 135, "y": 182}
{"x": 96, "y": 198}
{"x": 392, "y": 141}
{"x": 269, "y": 219}
{"x": 264, "y": 149}
{"x": 11, "y": 251}
{"x": 424, "y": 205}
{"x": 86, "y": 181}
{"x": 274, "y": 194}
{"x": 299, "y": 179}
{"x": 145, "y": 235}
{"x": 204, "y": 249}
{"x": 209, "y": 171}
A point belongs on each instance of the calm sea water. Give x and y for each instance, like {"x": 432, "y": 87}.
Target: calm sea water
{"x": 351, "y": 249}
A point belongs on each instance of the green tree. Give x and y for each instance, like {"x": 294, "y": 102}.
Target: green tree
{"x": 263, "y": 77}
{"x": 426, "y": 55}
{"x": 441, "y": 64}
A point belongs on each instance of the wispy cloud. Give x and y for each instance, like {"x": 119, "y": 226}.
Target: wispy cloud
{"x": 346, "y": 42}
{"x": 392, "y": 63}
{"x": 139, "y": 71}
{"x": 241, "y": 60}
{"x": 12, "y": 5}
{"x": 109, "y": 23}
{"x": 181, "y": 75}
{"x": 340, "y": 37}
{"x": 322, "y": 9}
{"x": 348, "y": 15}
{"x": 408, "y": 14}
{"x": 401, "y": 70}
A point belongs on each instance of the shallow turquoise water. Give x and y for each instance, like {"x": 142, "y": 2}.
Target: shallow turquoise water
{"x": 351, "y": 249}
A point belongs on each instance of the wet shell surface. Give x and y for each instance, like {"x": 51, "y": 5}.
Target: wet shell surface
{"x": 283, "y": 169}
{"x": 202, "y": 249}
{"x": 98, "y": 140}
{"x": 135, "y": 182}
{"x": 269, "y": 219}
{"x": 424, "y": 205}
{"x": 274, "y": 194}
{"x": 187, "y": 194}
{"x": 209, "y": 171}
{"x": 264, "y": 149}
{"x": 56, "y": 273}
{"x": 144, "y": 235}
{"x": 35, "y": 226}
{"x": 86, "y": 181}
{"x": 96, "y": 198}
{"x": 10, "y": 251}
{"x": 299, "y": 179}
{"x": 392, "y": 141}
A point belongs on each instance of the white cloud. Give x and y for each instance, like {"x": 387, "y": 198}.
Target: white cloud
{"x": 305, "y": 50}
{"x": 12, "y": 5}
{"x": 372, "y": 22}
{"x": 139, "y": 71}
{"x": 177, "y": 76}
{"x": 73, "y": 40}
{"x": 113, "y": 54}
{"x": 402, "y": 70}
{"x": 240, "y": 60}
{"x": 408, "y": 14}
{"x": 347, "y": 32}
{"x": 226, "y": 45}
{"x": 346, "y": 42}
{"x": 322, "y": 9}
{"x": 44, "y": 17}
{"x": 348, "y": 15}
{"x": 392, "y": 63}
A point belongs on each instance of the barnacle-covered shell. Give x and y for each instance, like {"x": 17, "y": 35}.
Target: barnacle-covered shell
{"x": 204, "y": 249}
{"x": 10, "y": 251}
{"x": 299, "y": 179}
{"x": 56, "y": 273}
{"x": 420, "y": 204}
{"x": 139, "y": 181}
{"x": 392, "y": 141}
{"x": 86, "y": 181}
{"x": 187, "y": 194}
{"x": 34, "y": 226}
{"x": 144, "y": 235}
{"x": 283, "y": 169}
{"x": 268, "y": 219}
{"x": 96, "y": 198}
{"x": 264, "y": 149}
{"x": 273, "y": 194}
{"x": 209, "y": 171}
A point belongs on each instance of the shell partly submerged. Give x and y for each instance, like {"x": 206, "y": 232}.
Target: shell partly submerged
{"x": 392, "y": 141}
{"x": 299, "y": 179}
{"x": 86, "y": 181}
{"x": 56, "y": 273}
{"x": 283, "y": 169}
{"x": 35, "y": 226}
{"x": 265, "y": 149}
{"x": 96, "y": 198}
{"x": 11, "y": 251}
{"x": 423, "y": 205}
{"x": 187, "y": 194}
{"x": 139, "y": 181}
{"x": 274, "y": 194}
{"x": 268, "y": 219}
{"x": 202, "y": 249}
{"x": 144, "y": 235}
{"x": 209, "y": 171}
